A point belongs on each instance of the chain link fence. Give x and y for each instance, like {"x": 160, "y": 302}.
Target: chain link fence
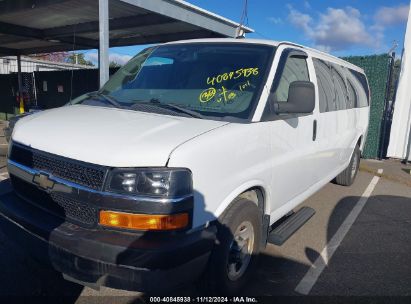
{"x": 377, "y": 69}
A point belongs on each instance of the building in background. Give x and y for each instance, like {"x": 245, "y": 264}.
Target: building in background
{"x": 8, "y": 65}
{"x": 400, "y": 136}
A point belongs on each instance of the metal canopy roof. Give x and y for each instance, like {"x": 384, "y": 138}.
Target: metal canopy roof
{"x": 39, "y": 26}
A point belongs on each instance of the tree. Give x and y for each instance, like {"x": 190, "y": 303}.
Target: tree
{"x": 114, "y": 64}
{"x": 78, "y": 58}
{"x": 55, "y": 57}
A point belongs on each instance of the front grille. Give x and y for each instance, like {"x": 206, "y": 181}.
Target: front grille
{"x": 56, "y": 204}
{"x": 75, "y": 210}
{"x": 85, "y": 174}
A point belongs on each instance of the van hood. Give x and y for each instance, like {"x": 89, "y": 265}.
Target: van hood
{"x": 109, "y": 136}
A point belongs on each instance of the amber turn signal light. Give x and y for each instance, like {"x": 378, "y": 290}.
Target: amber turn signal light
{"x": 143, "y": 221}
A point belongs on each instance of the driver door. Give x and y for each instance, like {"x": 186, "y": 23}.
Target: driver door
{"x": 293, "y": 136}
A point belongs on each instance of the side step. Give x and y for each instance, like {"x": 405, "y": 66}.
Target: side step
{"x": 290, "y": 225}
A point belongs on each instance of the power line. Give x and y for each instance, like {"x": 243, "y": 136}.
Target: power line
{"x": 243, "y": 20}
{"x": 244, "y": 14}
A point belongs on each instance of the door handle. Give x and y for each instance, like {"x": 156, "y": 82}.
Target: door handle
{"x": 314, "y": 129}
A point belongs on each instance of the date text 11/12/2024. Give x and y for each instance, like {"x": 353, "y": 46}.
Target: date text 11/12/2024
{"x": 199, "y": 299}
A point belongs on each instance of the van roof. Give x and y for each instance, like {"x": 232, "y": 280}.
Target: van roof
{"x": 313, "y": 52}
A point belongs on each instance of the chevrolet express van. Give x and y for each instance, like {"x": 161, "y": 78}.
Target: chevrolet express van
{"x": 184, "y": 165}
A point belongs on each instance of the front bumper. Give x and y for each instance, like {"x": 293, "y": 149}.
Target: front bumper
{"x": 148, "y": 262}
{"x": 91, "y": 254}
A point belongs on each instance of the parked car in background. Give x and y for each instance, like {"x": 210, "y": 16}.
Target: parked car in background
{"x": 182, "y": 165}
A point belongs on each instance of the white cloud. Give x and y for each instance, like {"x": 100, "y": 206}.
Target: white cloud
{"x": 386, "y": 16}
{"x": 336, "y": 29}
{"x": 115, "y": 57}
{"x": 339, "y": 27}
{"x": 93, "y": 57}
{"x": 307, "y": 4}
{"x": 119, "y": 58}
{"x": 275, "y": 20}
{"x": 300, "y": 20}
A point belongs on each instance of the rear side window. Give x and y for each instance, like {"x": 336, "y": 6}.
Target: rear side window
{"x": 352, "y": 95}
{"x": 295, "y": 69}
{"x": 339, "y": 87}
{"x": 325, "y": 85}
{"x": 359, "y": 82}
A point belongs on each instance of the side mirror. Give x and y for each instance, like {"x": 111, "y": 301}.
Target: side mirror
{"x": 301, "y": 99}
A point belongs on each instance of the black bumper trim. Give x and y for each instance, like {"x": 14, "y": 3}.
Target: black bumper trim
{"x": 133, "y": 261}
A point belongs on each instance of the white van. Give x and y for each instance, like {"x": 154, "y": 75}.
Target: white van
{"x": 181, "y": 166}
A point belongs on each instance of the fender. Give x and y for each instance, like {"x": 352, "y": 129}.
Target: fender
{"x": 237, "y": 191}
{"x": 355, "y": 142}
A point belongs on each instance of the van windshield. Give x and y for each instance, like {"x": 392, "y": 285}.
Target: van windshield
{"x": 204, "y": 80}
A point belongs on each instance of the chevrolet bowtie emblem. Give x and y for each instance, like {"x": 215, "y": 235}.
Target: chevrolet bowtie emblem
{"x": 43, "y": 181}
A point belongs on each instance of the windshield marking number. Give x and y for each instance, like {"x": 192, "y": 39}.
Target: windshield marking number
{"x": 224, "y": 95}
{"x": 246, "y": 72}
{"x": 207, "y": 95}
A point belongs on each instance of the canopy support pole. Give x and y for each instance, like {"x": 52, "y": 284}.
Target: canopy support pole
{"x": 20, "y": 84}
{"x": 103, "y": 41}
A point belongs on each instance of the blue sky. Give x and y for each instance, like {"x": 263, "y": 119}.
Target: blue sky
{"x": 343, "y": 27}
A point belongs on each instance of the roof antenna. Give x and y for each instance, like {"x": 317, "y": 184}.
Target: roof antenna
{"x": 240, "y": 32}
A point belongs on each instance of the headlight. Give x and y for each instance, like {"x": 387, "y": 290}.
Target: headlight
{"x": 161, "y": 182}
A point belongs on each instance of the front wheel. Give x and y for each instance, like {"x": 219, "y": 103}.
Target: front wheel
{"x": 235, "y": 254}
{"x": 347, "y": 177}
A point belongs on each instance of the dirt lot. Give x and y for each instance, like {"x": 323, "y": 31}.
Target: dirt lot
{"x": 358, "y": 243}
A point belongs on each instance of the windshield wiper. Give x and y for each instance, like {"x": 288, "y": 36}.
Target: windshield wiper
{"x": 110, "y": 99}
{"x": 171, "y": 106}
{"x": 183, "y": 110}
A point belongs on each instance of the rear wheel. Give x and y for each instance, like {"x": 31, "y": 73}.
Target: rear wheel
{"x": 235, "y": 255}
{"x": 347, "y": 177}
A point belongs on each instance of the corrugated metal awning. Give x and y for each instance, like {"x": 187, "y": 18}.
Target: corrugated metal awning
{"x": 38, "y": 26}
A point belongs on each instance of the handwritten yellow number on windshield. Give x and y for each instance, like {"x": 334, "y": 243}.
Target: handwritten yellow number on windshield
{"x": 221, "y": 95}
{"x": 207, "y": 95}
{"x": 244, "y": 72}
{"x": 226, "y": 96}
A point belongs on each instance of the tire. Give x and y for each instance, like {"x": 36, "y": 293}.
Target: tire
{"x": 229, "y": 268}
{"x": 347, "y": 177}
